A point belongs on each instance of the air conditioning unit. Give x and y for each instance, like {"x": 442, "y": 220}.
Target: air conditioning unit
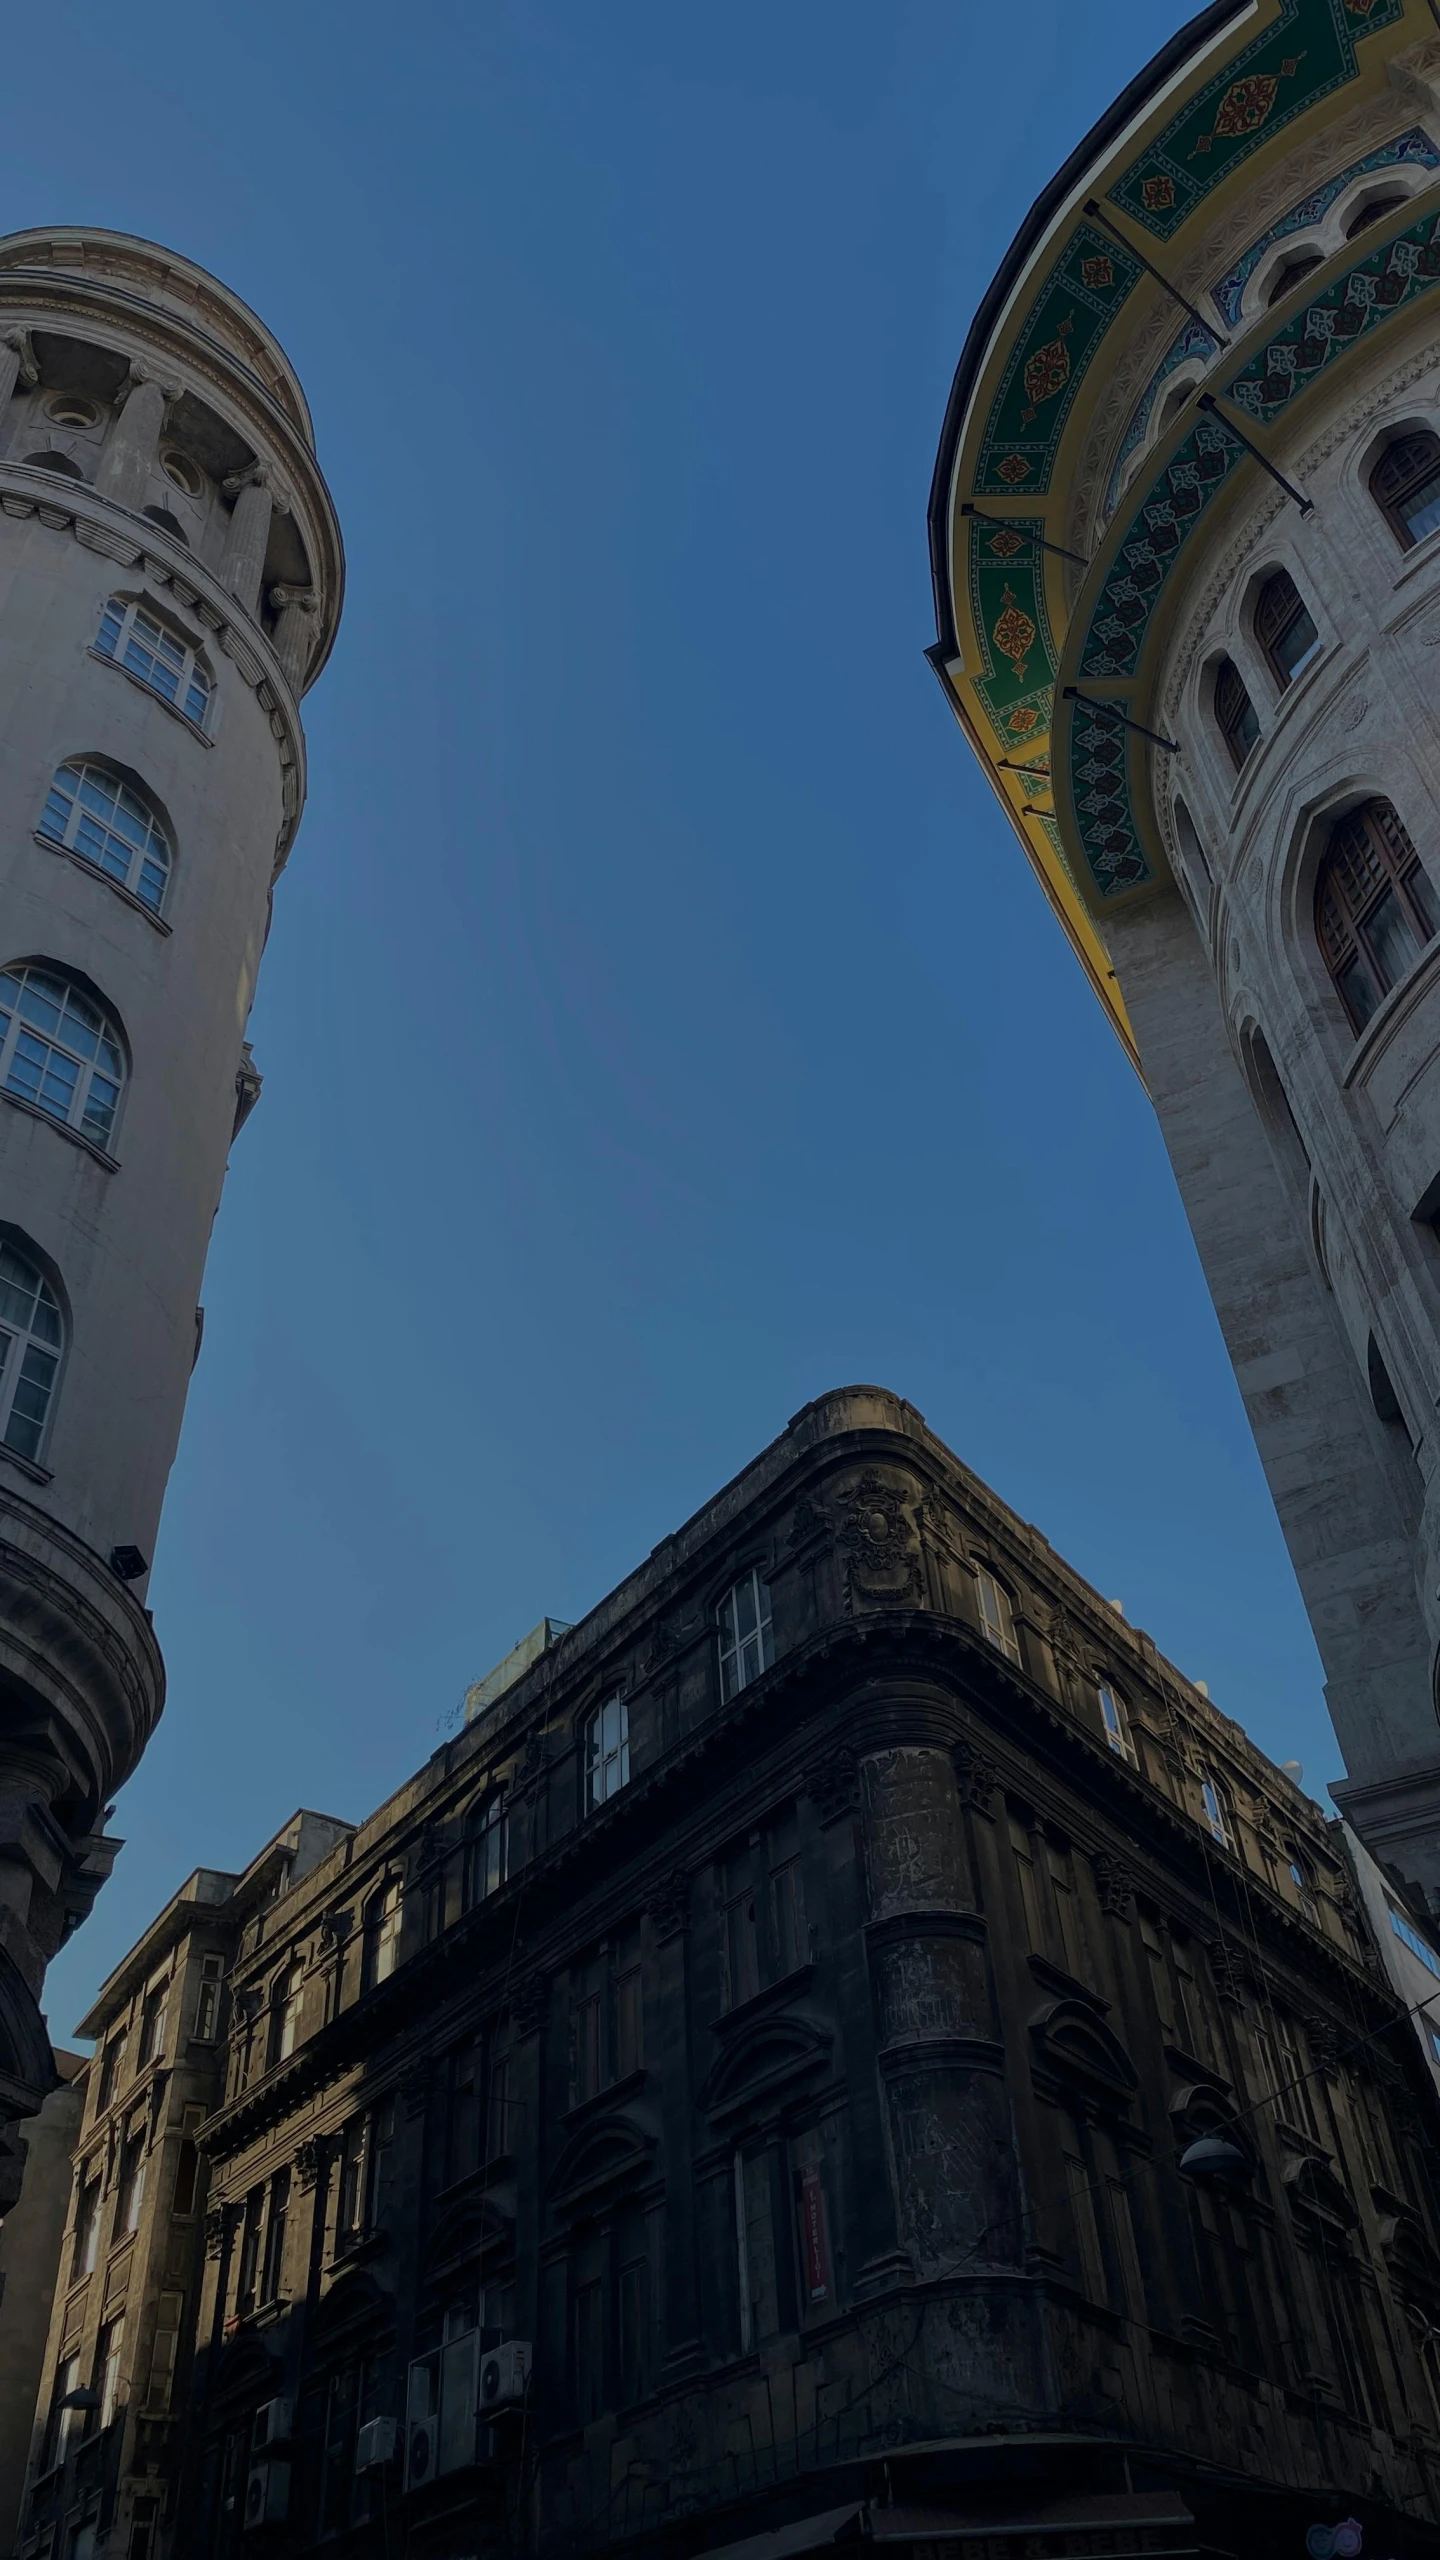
{"x": 504, "y": 2374}
{"x": 375, "y": 2444}
{"x": 422, "y": 2448}
{"x": 267, "y": 2494}
{"x": 271, "y": 2425}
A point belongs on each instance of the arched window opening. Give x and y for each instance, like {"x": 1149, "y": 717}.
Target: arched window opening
{"x": 92, "y": 813}
{"x": 1293, "y": 272}
{"x": 184, "y": 474}
{"x": 285, "y": 2002}
{"x": 1116, "y": 1723}
{"x": 488, "y": 1848}
{"x": 60, "y": 463}
{"x": 1372, "y": 210}
{"x": 138, "y": 641}
{"x": 1172, "y": 404}
{"x": 31, "y": 1341}
{"x": 1284, "y": 626}
{"x": 1217, "y": 1811}
{"x": 1303, "y": 1882}
{"x": 747, "y": 1640}
{"x": 606, "y": 1753}
{"x": 59, "y": 1050}
{"x": 1405, "y": 485}
{"x": 1235, "y": 712}
{"x": 382, "y": 1934}
{"x": 997, "y": 1619}
{"x": 1374, "y": 907}
{"x": 168, "y": 523}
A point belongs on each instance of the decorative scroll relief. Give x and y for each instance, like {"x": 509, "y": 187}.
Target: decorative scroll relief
{"x": 1394, "y": 276}
{"x": 1007, "y": 608}
{"x": 1048, "y": 362}
{"x": 1157, "y": 534}
{"x": 1303, "y": 55}
{"x": 1100, "y": 796}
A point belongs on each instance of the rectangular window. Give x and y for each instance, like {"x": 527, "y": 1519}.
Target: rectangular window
{"x": 1072, "y": 1950}
{"x": 273, "y": 2269}
{"x": 380, "y": 2167}
{"x": 144, "y": 2525}
{"x": 110, "y": 2061}
{"x": 337, "y": 2471}
{"x": 87, "y": 2229}
{"x": 755, "y": 2239}
{"x": 1029, "y": 1886}
{"x": 107, "y": 2369}
{"x": 787, "y": 1897}
{"x": 997, "y": 1621}
{"x": 607, "y": 1753}
{"x": 1159, "y": 1975}
{"x": 589, "y": 2347}
{"x": 739, "y": 1951}
{"x": 1410, "y": 1937}
{"x": 187, "y": 2174}
{"x": 152, "y": 2024}
{"x": 747, "y": 1641}
{"x": 247, "y": 2276}
{"x": 629, "y": 2045}
{"x": 164, "y": 2351}
{"x": 131, "y": 2190}
{"x": 497, "y": 2119}
{"x": 1080, "y": 2190}
{"x": 350, "y": 2185}
{"x": 63, "y": 2423}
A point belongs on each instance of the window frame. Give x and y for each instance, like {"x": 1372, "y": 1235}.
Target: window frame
{"x": 998, "y": 1628}
{"x": 487, "y": 1847}
{"x": 736, "y": 1644}
{"x": 90, "y": 1070}
{"x": 1236, "y": 717}
{"x": 1217, "y": 1809}
{"x": 1344, "y": 923}
{"x": 119, "y": 642}
{"x": 1278, "y": 609}
{"x": 384, "y": 1921}
{"x": 1117, "y": 1733}
{"x": 600, "y": 1755}
{"x": 154, "y": 851}
{"x": 26, "y": 1437}
{"x": 1423, "y": 473}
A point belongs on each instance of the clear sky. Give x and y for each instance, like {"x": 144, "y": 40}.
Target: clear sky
{"x": 659, "y": 1024}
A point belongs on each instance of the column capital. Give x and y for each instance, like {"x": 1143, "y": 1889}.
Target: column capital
{"x": 29, "y": 371}
{"x": 303, "y": 598}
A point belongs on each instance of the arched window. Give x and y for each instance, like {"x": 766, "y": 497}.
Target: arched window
{"x": 488, "y": 1848}
{"x": 1374, "y": 907}
{"x": 285, "y": 2001}
{"x": 997, "y": 1619}
{"x": 1116, "y": 1722}
{"x": 1303, "y": 1882}
{"x": 1284, "y": 626}
{"x": 1405, "y": 485}
{"x": 382, "y": 1933}
{"x": 747, "y": 1642}
{"x": 168, "y": 523}
{"x": 60, "y": 463}
{"x": 31, "y": 1341}
{"x": 59, "y": 1050}
{"x": 1372, "y": 209}
{"x": 1292, "y": 272}
{"x": 137, "y": 640}
{"x": 1217, "y": 1811}
{"x": 92, "y": 813}
{"x": 1234, "y": 712}
{"x": 607, "y": 1752}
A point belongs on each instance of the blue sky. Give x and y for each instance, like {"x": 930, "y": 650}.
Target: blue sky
{"x": 659, "y": 1024}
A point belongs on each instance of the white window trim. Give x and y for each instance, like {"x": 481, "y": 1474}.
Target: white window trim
{"x": 732, "y": 1678}
{"x": 997, "y": 1622}
{"x": 64, "y": 842}
{"x": 597, "y": 1759}
{"x": 19, "y": 1025}
{"x": 192, "y": 664}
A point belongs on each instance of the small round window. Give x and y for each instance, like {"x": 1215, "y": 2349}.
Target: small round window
{"x": 179, "y": 469}
{"x": 69, "y": 410}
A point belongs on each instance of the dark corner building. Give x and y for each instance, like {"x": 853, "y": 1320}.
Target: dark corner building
{"x": 846, "y": 2044}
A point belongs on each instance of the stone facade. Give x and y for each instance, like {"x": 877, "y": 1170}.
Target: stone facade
{"x": 30, "y": 2245}
{"x": 785, "y": 2008}
{"x": 1301, "y": 240}
{"x": 170, "y": 581}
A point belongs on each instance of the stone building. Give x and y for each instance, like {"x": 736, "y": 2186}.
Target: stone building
{"x": 170, "y": 581}
{"x": 30, "y": 2244}
{"x": 121, "y": 2331}
{"x": 845, "y": 2041}
{"x": 1187, "y": 575}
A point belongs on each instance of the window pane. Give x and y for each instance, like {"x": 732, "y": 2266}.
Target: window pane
{"x": 1359, "y": 991}
{"x": 1422, "y": 899}
{"x": 1392, "y": 942}
{"x": 1296, "y": 644}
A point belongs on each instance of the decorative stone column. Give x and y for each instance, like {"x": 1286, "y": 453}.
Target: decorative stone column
{"x": 294, "y": 632}
{"x": 16, "y": 364}
{"x": 249, "y": 532}
{"x": 133, "y": 444}
{"x": 941, "y": 2058}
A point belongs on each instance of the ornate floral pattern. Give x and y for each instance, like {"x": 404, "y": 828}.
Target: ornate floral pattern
{"x": 1349, "y": 308}
{"x": 1171, "y": 509}
{"x": 1068, "y": 319}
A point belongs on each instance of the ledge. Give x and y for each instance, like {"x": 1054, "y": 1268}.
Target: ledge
{"x": 27, "y": 1466}
{"x": 772, "y": 1995}
{"x": 67, "y": 853}
{"x": 76, "y": 1137}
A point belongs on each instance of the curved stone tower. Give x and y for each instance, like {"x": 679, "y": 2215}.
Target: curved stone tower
{"x": 1187, "y": 570}
{"x": 170, "y": 582}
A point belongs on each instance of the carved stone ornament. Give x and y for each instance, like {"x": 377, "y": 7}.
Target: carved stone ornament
{"x": 833, "y": 1785}
{"x": 976, "y": 1777}
{"x": 217, "y": 2224}
{"x": 1232, "y": 1975}
{"x": 417, "y": 2084}
{"x": 669, "y": 1904}
{"x": 880, "y": 1542}
{"x": 530, "y": 2004}
{"x": 310, "y": 2161}
{"x": 809, "y": 1520}
{"x": 1115, "y": 1886}
{"x": 1326, "y": 2045}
